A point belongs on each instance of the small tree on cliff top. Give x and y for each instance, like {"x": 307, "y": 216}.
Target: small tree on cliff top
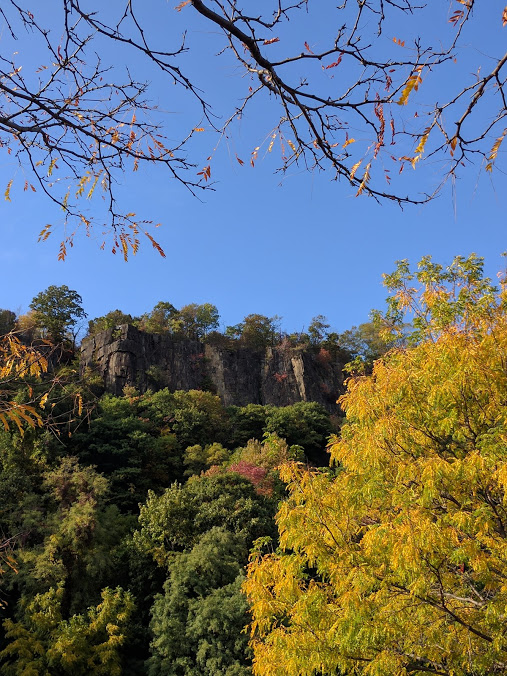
{"x": 57, "y": 309}
{"x": 397, "y": 565}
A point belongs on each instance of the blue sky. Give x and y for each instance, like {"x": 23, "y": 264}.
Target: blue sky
{"x": 296, "y": 248}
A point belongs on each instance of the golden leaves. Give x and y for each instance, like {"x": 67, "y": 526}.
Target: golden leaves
{"x": 18, "y": 362}
{"x": 348, "y": 142}
{"x": 155, "y": 244}
{"x": 494, "y": 151}
{"x": 7, "y": 193}
{"x": 411, "y": 85}
{"x": 354, "y": 169}
{"x": 365, "y": 179}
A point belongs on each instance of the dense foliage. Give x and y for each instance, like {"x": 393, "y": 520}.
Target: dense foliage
{"x": 126, "y": 528}
{"x": 127, "y": 522}
{"x": 397, "y": 564}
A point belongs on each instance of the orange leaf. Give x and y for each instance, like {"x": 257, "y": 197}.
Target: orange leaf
{"x": 401, "y": 43}
{"x": 181, "y": 5}
{"x": 456, "y": 17}
{"x": 334, "y": 64}
{"x": 453, "y": 142}
{"x": 270, "y": 42}
{"x": 504, "y": 17}
{"x": 205, "y": 173}
{"x": 240, "y": 160}
{"x": 199, "y": 129}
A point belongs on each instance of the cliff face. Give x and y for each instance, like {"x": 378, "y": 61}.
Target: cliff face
{"x": 279, "y": 376}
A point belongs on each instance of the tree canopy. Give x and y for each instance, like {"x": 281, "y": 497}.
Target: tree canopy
{"x": 361, "y": 90}
{"x": 57, "y": 310}
{"x": 397, "y": 564}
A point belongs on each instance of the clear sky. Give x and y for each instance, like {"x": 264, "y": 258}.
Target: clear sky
{"x": 296, "y": 247}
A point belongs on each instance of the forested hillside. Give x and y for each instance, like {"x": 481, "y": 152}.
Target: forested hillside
{"x": 164, "y": 533}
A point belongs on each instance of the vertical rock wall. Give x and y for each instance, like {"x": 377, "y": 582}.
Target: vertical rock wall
{"x": 125, "y": 356}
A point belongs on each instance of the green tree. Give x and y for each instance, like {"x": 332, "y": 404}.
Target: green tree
{"x": 175, "y": 520}
{"x": 57, "y": 311}
{"x": 72, "y": 546}
{"x": 198, "y": 320}
{"x": 44, "y": 643}
{"x": 7, "y": 321}
{"x": 256, "y": 331}
{"x": 306, "y": 424}
{"x": 108, "y": 321}
{"x": 132, "y": 447}
{"x": 396, "y": 564}
{"x": 198, "y": 459}
{"x": 198, "y": 623}
{"x": 367, "y": 341}
{"x": 164, "y": 318}
{"x": 318, "y": 329}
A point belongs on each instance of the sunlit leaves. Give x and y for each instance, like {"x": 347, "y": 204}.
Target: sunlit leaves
{"x": 18, "y": 362}
{"x": 395, "y": 564}
{"x": 411, "y": 85}
{"x": 494, "y": 151}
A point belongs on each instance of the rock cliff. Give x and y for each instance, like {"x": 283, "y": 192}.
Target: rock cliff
{"x": 279, "y": 376}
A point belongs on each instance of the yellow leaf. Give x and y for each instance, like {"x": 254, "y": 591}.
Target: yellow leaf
{"x": 365, "y": 179}
{"x": 422, "y": 142}
{"x": 348, "y": 142}
{"x": 354, "y": 169}
{"x": 494, "y": 151}
{"x": 412, "y": 84}
{"x": 7, "y": 192}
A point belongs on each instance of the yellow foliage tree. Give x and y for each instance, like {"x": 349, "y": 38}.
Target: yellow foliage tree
{"x": 18, "y": 362}
{"x": 397, "y": 564}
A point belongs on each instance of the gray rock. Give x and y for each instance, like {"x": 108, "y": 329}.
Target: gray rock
{"x": 125, "y": 356}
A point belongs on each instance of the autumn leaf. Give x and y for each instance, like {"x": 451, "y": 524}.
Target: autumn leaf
{"x": 401, "y": 43}
{"x": 205, "y": 173}
{"x": 354, "y": 169}
{"x": 7, "y": 193}
{"x": 179, "y": 7}
{"x": 456, "y": 17}
{"x": 334, "y": 64}
{"x": 307, "y": 47}
{"x": 348, "y": 142}
{"x": 412, "y": 84}
{"x": 494, "y": 151}
{"x": 420, "y": 146}
{"x": 504, "y": 17}
{"x": 365, "y": 179}
{"x": 270, "y": 42}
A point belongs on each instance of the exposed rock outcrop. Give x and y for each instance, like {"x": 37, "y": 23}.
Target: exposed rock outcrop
{"x": 280, "y": 376}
